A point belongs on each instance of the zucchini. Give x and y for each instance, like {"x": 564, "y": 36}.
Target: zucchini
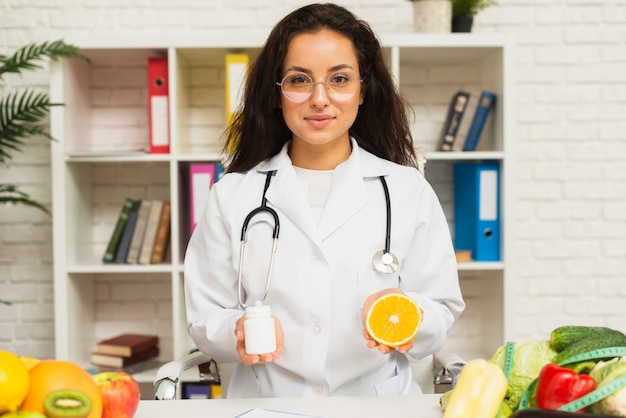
{"x": 612, "y": 338}
{"x": 563, "y": 336}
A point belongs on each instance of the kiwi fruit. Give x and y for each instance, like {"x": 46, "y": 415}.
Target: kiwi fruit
{"x": 67, "y": 404}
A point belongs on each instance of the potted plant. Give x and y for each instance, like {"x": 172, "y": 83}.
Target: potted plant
{"x": 23, "y": 113}
{"x": 432, "y": 16}
{"x": 463, "y": 12}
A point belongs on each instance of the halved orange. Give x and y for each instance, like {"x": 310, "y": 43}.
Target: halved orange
{"x": 393, "y": 319}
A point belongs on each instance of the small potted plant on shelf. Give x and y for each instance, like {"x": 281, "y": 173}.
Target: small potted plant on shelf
{"x": 23, "y": 113}
{"x": 432, "y": 16}
{"x": 463, "y": 12}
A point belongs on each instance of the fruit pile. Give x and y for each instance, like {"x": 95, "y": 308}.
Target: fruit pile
{"x": 32, "y": 388}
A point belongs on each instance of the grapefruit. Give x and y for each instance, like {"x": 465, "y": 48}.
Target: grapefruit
{"x": 51, "y": 375}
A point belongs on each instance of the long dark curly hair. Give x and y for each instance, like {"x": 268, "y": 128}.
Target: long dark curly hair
{"x": 382, "y": 123}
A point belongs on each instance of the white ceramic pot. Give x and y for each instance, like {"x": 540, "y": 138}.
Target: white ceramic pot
{"x": 432, "y": 16}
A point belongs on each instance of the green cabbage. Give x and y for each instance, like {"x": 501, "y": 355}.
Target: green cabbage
{"x": 529, "y": 359}
{"x": 605, "y": 372}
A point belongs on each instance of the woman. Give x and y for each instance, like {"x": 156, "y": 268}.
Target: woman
{"x": 322, "y": 123}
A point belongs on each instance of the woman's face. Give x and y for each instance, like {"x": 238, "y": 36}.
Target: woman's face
{"x": 327, "y": 59}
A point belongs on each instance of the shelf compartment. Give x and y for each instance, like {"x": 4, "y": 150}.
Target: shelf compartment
{"x": 100, "y": 305}
{"x": 95, "y": 193}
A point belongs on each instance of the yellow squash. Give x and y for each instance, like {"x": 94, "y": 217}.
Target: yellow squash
{"x": 479, "y": 391}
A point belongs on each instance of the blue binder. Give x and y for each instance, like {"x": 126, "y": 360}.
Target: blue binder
{"x": 477, "y": 209}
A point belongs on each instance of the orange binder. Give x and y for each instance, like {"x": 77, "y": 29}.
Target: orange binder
{"x": 158, "y": 105}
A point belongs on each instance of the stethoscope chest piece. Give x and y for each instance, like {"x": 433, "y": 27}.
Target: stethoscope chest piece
{"x": 385, "y": 262}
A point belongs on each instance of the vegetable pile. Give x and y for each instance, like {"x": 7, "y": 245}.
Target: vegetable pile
{"x": 580, "y": 369}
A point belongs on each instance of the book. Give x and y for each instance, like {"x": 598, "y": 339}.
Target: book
{"x": 163, "y": 235}
{"x": 116, "y": 236}
{"x": 466, "y": 121}
{"x": 127, "y": 235}
{"x": 483, "y": 110}
{"x": 108, "y": 360}
{"x": 135, "y": 244}
{"x": 152, "y": 364}
{"x": 126, "y": 345}
{"x": 152, "y": 227}
{"x": 450, "y": 127}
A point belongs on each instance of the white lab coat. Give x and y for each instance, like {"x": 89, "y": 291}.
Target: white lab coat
{"x": 322, "y": 275}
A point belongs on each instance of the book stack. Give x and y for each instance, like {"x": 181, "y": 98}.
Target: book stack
{"x": 141, "y": 233}
{"x": 125, "y": 350}
{"x": 467, "y": 116}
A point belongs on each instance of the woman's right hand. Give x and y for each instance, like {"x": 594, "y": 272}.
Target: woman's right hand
{"x": 249, "y": 359}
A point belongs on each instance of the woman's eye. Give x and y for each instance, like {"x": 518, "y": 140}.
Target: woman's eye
{"x": 299, "y": 79}
{"x": 339, "y": 79}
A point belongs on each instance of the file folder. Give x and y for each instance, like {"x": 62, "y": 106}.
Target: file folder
{"x": 158, "y": 105}
{"x": 477, "y": 209}
{"x": 236, "y": 70}
{"x": 201, "y": 178}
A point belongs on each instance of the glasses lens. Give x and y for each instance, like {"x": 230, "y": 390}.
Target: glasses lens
{"x": 298, "y": 87}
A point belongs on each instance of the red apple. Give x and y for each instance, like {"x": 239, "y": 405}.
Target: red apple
{"x": 120, "y": 394}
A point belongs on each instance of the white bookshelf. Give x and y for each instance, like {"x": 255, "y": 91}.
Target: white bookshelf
{"x": 106, "y": 104}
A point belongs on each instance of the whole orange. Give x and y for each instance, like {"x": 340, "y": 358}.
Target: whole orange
{"x": 50, "y": 375}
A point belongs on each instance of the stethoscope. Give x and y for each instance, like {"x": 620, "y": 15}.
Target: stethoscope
{"x": 383, "y": 261}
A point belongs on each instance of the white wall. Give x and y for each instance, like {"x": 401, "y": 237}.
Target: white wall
{"x": 570, "y": 146}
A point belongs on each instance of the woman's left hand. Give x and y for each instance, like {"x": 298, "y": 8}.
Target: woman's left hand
{"x": 370, "y": 342}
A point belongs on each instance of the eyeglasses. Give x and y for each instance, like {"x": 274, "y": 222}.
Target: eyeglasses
{"x": 298, "y": 87}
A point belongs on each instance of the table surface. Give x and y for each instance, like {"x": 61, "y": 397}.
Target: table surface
{"x": 423, "y": 406}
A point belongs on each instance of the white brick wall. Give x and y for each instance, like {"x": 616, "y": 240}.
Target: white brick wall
{"x": 570, "y": 153}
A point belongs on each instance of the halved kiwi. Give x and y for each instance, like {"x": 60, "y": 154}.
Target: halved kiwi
{"x": 67, "y": 404}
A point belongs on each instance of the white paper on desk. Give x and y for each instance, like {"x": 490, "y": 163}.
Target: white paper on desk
{"x": 266, "y": 413}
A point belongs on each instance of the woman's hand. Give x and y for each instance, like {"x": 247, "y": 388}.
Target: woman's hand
{"x": 249, "y": 359}
{"x": 370, "y": 342}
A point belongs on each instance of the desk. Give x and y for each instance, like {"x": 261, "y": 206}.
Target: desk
{"x": 422, "y": 406}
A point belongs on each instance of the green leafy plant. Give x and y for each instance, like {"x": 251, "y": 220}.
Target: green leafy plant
{"x": 470, "y": 7}
{"x": 23, "y": 113}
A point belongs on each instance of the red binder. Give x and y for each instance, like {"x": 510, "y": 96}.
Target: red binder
{"x": 158, "y": 105}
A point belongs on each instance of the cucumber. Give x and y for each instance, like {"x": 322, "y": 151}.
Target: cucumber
{"x": 563, "y": 336}
{"x": 611, "y": 338}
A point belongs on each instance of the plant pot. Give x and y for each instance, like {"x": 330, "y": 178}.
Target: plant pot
{"x": 432, "y": 16}
{"x": 462, "y": 23}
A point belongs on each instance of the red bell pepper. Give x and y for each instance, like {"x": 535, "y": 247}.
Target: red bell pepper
{"x": 558, "y": 386}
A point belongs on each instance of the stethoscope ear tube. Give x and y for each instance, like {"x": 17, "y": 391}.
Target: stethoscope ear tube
{"x": 244, "y": 235}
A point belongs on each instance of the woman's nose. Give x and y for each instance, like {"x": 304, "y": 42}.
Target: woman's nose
{"x": 319, "y": 95}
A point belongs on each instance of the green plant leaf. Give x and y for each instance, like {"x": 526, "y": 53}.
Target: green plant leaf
{"x": 470, "y": 7}
{"x": 28, "y": 57}
{"x": 21, "y": 116}
{"x": 9, "y": 193}
{"x": 23, "y": 113}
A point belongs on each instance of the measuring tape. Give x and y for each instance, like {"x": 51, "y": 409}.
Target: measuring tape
{"x": 607, "y": 352}
{"x": 509, "y": 357}
{"x": 592, "y": 397}
{"x": 595, "y": 396}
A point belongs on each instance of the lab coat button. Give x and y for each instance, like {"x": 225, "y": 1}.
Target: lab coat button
{"x": 318, "y": 390}
{"x": 315, "y": 259}
{"x": 316, "y": 330}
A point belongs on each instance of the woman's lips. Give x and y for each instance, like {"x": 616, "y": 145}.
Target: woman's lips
{"x": 319, "y": 121}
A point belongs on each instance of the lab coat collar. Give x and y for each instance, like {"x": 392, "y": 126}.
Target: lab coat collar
{"x": 347, "y": 196}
